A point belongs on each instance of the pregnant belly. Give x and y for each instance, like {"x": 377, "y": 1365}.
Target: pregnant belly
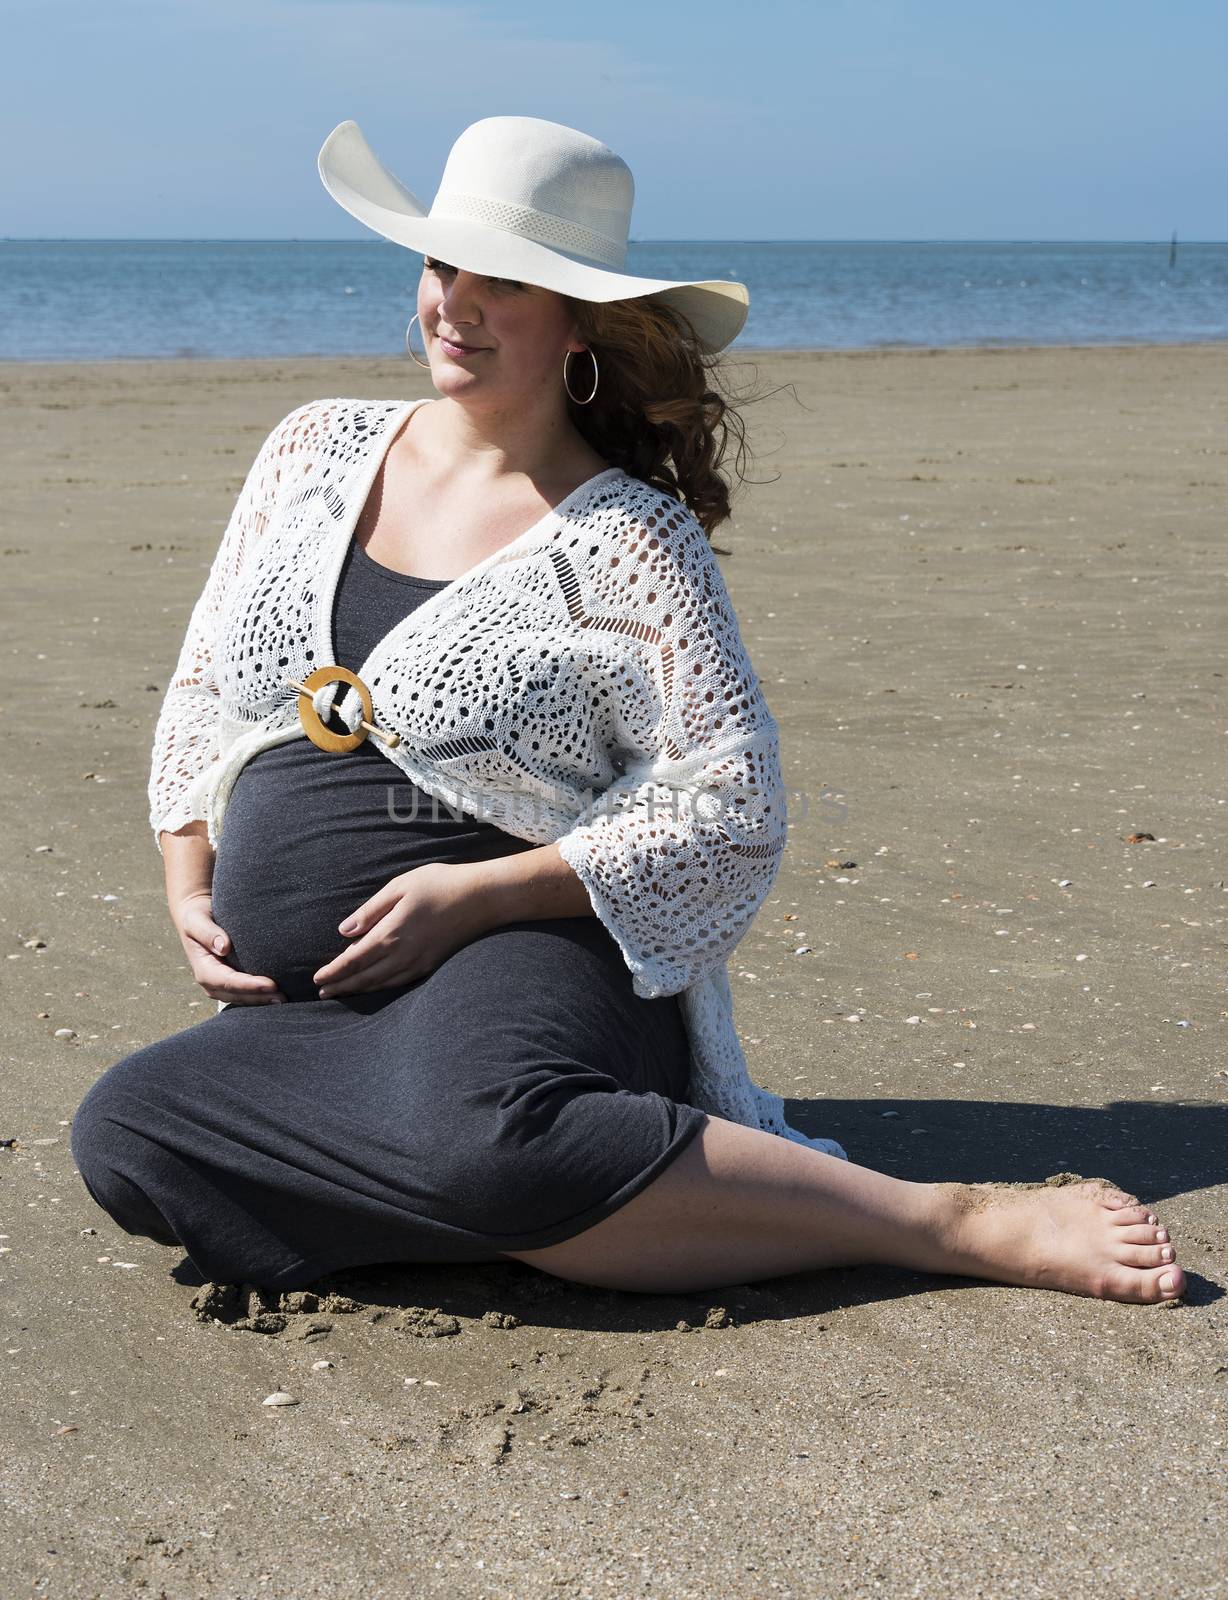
{"x": 308, "y": 836}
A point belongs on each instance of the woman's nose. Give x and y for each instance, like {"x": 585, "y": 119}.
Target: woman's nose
{"x": 461, "y": 300}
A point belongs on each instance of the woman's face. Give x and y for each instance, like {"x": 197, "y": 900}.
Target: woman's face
{"x": 512, "y": 336}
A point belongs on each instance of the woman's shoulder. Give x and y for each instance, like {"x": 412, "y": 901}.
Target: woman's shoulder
{"x": 650, "y": 517}
{"x": 333, "y": 416}
{"x": 333, "y": 433}
{"x": 644, "y": 501}
{"x": 335, "y": 429}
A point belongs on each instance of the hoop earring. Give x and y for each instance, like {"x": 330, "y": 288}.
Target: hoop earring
{"x": 567, "y": 357}
{"x": 408, "y": 346}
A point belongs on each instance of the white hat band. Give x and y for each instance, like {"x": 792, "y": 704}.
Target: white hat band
{"x": 531, "y": 224}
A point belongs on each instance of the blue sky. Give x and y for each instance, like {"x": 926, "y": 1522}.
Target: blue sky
{"x": 833, "y": 119}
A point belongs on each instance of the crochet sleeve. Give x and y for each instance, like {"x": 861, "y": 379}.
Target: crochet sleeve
{"x": 680, "y": 850}
{"x": 185, "y": 742}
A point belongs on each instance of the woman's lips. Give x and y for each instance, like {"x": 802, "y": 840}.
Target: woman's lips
{"x": 460, "y": 349}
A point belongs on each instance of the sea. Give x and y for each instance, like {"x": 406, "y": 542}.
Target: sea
{"x": 117, "y": 299}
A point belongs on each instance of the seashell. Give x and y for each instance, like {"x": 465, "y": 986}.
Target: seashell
{"x": 279, "y": 1398}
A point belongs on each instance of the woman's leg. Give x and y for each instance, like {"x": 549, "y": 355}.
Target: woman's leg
{"x": 738, "y": 1204}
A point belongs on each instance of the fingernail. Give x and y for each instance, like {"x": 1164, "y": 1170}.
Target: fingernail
{"x": 1166, "y": 1283}
{"x": 219, "y": 944}
{"x": 324, "y": 993}
{"x": 349, "y": 925}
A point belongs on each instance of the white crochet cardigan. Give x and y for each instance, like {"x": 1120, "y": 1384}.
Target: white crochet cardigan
{"x": 586, "y": 684}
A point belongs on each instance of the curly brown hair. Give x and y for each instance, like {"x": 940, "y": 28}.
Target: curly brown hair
{"x": 664, "y": 410}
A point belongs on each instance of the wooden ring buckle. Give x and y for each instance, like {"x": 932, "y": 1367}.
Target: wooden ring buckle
{"x": 313, "y": 725}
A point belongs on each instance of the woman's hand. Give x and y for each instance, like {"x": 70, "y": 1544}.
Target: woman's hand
{"x": 408, "y": 927}
{"x": 206, "y": 944}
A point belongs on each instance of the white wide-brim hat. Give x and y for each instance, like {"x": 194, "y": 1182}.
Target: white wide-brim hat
{"x": 530, "y": 200}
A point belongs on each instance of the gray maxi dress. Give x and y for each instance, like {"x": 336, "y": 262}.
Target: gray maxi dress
{"x": 511, "y": 1098}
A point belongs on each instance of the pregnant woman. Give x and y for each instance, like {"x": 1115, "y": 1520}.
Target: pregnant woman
{"x": 466, "y": 790}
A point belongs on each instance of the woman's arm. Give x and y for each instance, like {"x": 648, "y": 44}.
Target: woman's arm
{"x": 529, "y": 886}
{"x": 679, "y": 853}
{"x": 185, "y": 742}
{"x": 676, "y": 857}
{"x": 187, "y": 862}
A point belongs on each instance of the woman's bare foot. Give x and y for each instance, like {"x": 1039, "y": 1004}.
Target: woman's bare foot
{"x": 1083, "y": 1238}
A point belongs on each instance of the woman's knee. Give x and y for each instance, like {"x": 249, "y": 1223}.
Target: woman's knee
{"x": 111, "y": 1154}
{"x": 527, "y": 1164}
{"x": 91, "y": 1136}
{"x": 501, "y": 1174}
{"x": 106, "y": 1109}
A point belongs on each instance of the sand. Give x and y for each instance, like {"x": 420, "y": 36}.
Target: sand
{"x": 985, "y": 593}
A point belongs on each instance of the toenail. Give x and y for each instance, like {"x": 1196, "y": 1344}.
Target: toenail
{"x": 1166, "y": 1283}
{"x": 1151, "y": 1217}
{"x": 1161, "y": 1235}
{"x": 1167, "y": 1253}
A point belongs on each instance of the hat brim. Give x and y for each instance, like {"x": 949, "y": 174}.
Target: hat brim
{"x": 359, "y": 183}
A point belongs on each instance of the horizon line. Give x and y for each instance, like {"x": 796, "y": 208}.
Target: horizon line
{"x": 1164, "y": 243}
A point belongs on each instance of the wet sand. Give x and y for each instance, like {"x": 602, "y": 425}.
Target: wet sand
{"x": 985, "y": 591}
